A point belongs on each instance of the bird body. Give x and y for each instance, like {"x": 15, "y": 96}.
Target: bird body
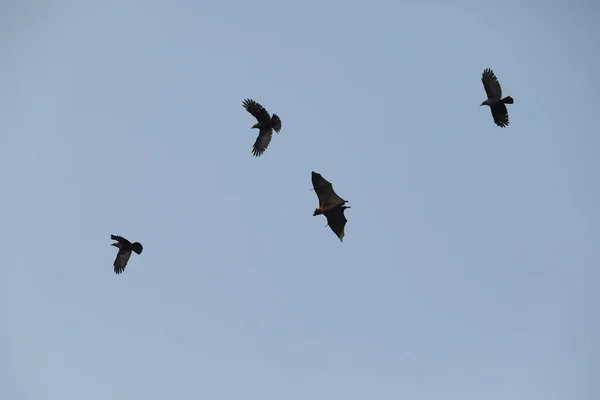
{"x": 266, "y": 125}
{"x": 494, "y": 100}
{"x": 262, "y": 125}
{"x": 125, "y": 248}
{"x": 330, "y": 204}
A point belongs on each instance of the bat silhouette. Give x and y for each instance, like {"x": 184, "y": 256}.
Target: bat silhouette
{"x": 331, "y": 205}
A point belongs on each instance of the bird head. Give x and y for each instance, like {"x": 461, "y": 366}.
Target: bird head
{"x": 317, "y": 212}
{"x": 256, "y": 126}
{"x": 483, "y": 103}
{"x": 116, "y": 244}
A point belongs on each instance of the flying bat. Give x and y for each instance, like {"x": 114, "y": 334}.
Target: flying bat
{"x": 331, "y": 205}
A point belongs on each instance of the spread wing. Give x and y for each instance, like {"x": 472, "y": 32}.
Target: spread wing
{"x": 491, "y": 84}
{"x": 262, "y": 142}
{"x": 325, "y": 193}
{"x": 257, "y": 111}
{"x": 121, "y": 260}
{"x": 500, "y": 114}
{"x": 337, "y": 221}
{"x": 120, "y": 239}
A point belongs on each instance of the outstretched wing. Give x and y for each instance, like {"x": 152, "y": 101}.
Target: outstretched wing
{"x": 262, "y": 142}
{"x": 337, "y": 221}
{"x": 491, "y": 84}
{"x": 121, "y": 240}
{"x": 500, "y": 114}
{"x": 121, "y": 260}
{"x": 257, "y": 111}
{"x": 325, "y": 193}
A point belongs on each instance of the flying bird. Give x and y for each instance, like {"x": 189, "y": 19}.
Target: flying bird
{"x": 125, "y": 248}
{"x": 266, "y": 125}
{"x": 494, "y": 98}
{"x": 330, "y": 204}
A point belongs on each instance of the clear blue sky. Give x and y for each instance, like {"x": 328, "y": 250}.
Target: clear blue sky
{"x": 470, "y": 261}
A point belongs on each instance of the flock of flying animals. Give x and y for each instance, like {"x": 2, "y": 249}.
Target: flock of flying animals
{"x": 331, "y": 205}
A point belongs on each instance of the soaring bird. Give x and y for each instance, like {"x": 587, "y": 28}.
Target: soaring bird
{"x": 494, "y": 98}
{"x": 330, "y": 204}
{"x": 125, "y": 248}
{"x": 266, "y": 125}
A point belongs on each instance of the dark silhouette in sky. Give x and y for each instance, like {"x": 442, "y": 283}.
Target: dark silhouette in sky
{"x": 125, "y": 248}
{"x": 330, "y": 204}
{"x": 265, "y": 125}
{"x": 494, "y": 100}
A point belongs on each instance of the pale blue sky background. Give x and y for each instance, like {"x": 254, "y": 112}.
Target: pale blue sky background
{"x": 470, "y": 261}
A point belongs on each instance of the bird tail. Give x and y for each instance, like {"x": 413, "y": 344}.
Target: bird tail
{"x": 137, "y": 247}
{"x": 508, "y": 100}
{"x": 276, "y": 123}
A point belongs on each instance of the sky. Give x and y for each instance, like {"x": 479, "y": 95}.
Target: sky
{"x": 470, "y": 261}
